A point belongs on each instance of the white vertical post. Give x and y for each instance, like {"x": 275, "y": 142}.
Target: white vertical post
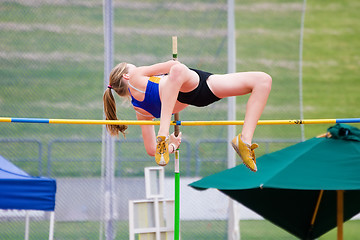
{"x": 108, "y": 141}
{"x": 302, "y": 127}
{"x": 233, "y": 220}
{"x": 231, "y": 69}
{"x": 157, "y": 218}
{"x": 131, "y": 221}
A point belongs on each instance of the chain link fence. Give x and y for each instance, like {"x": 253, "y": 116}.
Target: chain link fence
{"x": 52, "y": 66}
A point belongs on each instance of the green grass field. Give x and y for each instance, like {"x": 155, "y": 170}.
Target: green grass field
{"x": 331, "y": 60}
{"x": 211, "y": 230}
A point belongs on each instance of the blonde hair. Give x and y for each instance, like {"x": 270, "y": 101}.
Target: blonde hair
{"x": 120, "y": 87}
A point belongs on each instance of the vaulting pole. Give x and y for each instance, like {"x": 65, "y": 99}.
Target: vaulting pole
{"x": 177, "y": 161}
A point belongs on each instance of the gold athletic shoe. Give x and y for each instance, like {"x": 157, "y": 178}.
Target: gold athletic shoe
{"x": 246, "y": 152}
{"x": 162, "y": 150}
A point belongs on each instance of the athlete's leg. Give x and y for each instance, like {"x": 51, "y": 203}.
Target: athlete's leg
{"x": 180, "y": 78}
{"x": 258, "y": 84}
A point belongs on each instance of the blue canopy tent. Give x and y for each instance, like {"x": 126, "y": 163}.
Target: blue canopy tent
{"x": 19, "y": 190}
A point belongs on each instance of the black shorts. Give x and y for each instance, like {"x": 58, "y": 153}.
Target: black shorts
{"x": 201, "y": 96}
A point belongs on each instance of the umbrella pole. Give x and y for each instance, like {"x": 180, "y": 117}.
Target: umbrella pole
{"x": 316, "y": 208}
{"x": 315, "y": 213}
{"x": 340, "y": 213}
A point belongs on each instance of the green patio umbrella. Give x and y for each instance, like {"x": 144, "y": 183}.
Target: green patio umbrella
{"x": 300, "y": 188}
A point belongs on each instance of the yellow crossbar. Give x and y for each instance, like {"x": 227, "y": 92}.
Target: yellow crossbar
{"x": 182, "y": 123}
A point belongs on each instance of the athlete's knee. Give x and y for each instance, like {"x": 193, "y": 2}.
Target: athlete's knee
{"x": 265, "y": 80}
{"x": 178, "y": 68}
{"x": 178, "y": 72}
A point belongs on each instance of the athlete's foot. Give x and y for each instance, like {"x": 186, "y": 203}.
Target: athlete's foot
{"x": 246, "y": 152}
{"x": 162, "y": 150}
{"x": 252, "y": 147}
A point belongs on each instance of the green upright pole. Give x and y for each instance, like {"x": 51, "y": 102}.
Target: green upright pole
{"x": 177, "y": 162}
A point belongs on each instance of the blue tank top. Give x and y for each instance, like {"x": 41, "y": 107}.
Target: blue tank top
{"x": 151, "y": 102}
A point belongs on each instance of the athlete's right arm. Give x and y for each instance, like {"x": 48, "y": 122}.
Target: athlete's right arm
{"x": 157, "y": 69}
{"x": 148, "y": 134}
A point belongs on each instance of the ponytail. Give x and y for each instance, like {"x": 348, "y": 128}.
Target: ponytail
{"x": 110, "y": 113}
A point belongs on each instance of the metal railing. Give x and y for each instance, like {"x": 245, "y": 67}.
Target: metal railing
{"x": 63, "y": 159}
{"x": 15, "y": 151}
{"x": 127, "y": 162}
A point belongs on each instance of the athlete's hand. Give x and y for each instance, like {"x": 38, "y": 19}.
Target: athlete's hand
{"x": 175, "y": 140}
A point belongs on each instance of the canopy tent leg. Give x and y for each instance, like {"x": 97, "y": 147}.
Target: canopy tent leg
{"x": 27, "y": 224}
{"x": 52, "y": 223}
